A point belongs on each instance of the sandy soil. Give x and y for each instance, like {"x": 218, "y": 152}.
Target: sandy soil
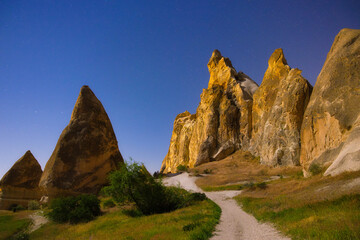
{"x": 37, "y": 221}
{"x": 234, "y": 222}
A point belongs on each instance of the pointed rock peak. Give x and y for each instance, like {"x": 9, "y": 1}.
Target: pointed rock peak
{"x": 216, "y": 57}
{"x": 86, "y": 104}
{"x": 277, "y": 69}
{"x": 184, "y": 114}
{"x": 25, "y": 172}
{"x": 28, "y": 157}
{"x": 277, "y": 58}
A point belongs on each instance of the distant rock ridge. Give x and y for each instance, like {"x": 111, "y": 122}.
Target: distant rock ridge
{"x": 19, "y": 185}
{"x": 222, "y": 123}
{"x": 85, "y": 153}
{"x": 285, "y": 121}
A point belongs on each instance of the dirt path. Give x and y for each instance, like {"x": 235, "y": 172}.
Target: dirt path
{"x": 234, "y": 222}
{"x": 37, "y": 221}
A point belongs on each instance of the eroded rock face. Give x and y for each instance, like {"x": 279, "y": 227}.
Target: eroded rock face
{"x": 178, "y": 153}
{"x": 278, "y": 109}
{"x": 330, "y": 132}
{"x": 222, "y": 123}
{"x": 20, "y": 184}
{"x": 85, "y": 153}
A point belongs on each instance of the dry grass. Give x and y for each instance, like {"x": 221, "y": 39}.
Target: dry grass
{"x": 318, "y": 207}
{"x": 239, "y": 168}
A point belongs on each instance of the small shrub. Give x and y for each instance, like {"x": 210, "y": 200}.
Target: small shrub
{"x": 197, "y": 196}
{"x": 261, "y": 185}
{"x": 207, "y": 171}
{"x": 132, "y": 212}
{"x": 250, "y": 186}
{"x": 16, "y": 207}
{"x": 130, "y": 183}
{"x": 20, "y": 236}
{"x": 82, "y": 208}
{"x": 181, "y": 168}
{"x": 108, "y": 203}
{"x": 315, "y": 169}
{"x": 33, "y": 205}
{"x": 157, "y": 175}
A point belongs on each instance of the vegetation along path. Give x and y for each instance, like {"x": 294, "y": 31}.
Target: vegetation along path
{"x": 234, "y": 222}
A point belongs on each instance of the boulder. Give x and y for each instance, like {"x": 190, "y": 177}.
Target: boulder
{"x": 85, "y": 153}
{"x": 278, "y": 108}
{"x": 222, "y": 123}
{"x": 20, "y": 184}
{"x": 330, "y": 135}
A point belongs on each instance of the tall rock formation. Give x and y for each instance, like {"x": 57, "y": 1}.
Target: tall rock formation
{"x": 222, "y": 123}
{"x": 278, "y": 109}
{"x": 330, "y": 133}
{"x": 85, "y": 153}
{"x": 20, "y": 184}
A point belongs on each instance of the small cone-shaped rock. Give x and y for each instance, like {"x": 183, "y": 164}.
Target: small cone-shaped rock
{"x": 20, "y": 184}
{"x": 330, "y": 133}
{"x": 278, "y": 109}
{"x": 222, "y": 122}
{"x": 85, "y": 153}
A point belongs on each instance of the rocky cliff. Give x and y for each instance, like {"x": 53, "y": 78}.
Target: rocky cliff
{"x": 85, "y": 153}
{"x": 222, "y": 123}
{"x": 20, "y": 184}
{"x": 330, "y": 134}
{"x": 284, "y": 121}
{"x": 277, "y": 113}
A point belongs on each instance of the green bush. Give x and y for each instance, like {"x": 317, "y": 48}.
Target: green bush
{"x": 108, "y": 203}
{"x": 82, "y": 208}
{"x": 20, "y": 236}
{"x": 157, "y": 175}
{"x": 16, "y": 207}
{"x": 131, "y": 184}
{"x": 33, "y": 205}
{"x": 315, "y": 169}
{"x": 181, "y": 168}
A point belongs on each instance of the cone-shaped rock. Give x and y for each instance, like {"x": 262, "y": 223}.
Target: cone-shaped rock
{"x": 330, "y": 133}
{"x": 85, "y": 153}
{"x": 20, "y": 184}
{"x": 278, "y": 109}
{"x": 222, "y": 123}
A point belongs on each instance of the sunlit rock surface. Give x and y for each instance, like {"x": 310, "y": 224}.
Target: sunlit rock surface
{"x": 330, "y": 134}
{"x": 278, "y": 109}
{"x": 222, "y": 123}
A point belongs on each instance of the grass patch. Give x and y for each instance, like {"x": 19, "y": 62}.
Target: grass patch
{"x": 12, "y": 223}
{"x": 335, "y": 219}
{"x": 222, "y": 188}
{"x": 194, "y": 222}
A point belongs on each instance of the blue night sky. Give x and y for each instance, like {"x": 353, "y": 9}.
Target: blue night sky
{"x": 145, "y": 61}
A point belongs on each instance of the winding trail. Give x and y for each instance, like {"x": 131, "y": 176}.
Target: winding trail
{"x": 234, "y": 222}
{"x": 37, "y": 221}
